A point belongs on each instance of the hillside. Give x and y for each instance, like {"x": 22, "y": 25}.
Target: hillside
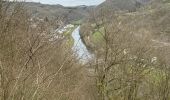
{"x": 67, "y": 14}
{"x": 119, "y": 50}
{"x": 151, "y": 20}
{"x": 132, "y": 50}
{"x": 130, "y": 5}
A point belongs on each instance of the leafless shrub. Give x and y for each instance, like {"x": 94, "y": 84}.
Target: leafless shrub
{"x": 127, "y": 65}
{"x": 32, "y": 67}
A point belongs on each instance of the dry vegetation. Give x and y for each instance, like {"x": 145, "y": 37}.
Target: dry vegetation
{"x": 130, "y": 68}
{"x": 129, "y": 65}
{"x": 31, "y": 67}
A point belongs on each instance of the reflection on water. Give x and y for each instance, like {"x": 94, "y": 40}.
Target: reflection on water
{"x": 79, "y": 47}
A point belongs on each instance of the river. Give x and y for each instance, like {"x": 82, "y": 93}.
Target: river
{"x": 79, "y": 47}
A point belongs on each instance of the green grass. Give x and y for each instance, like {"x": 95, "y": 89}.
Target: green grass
{"x": 78, "y": 22}
{"x": 68, "y": 33}
{"x": 155, "y": 76}
{"x": 70, "y": 42}
{"x": 98, "y": 36}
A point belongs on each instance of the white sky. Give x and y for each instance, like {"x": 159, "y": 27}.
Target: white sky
{"x": 69, "y": 2}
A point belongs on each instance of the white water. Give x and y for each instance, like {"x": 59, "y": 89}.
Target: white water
{"x": 79, "y": 47}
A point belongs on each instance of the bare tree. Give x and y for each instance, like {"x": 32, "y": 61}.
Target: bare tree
{"x": 31, "y": 66}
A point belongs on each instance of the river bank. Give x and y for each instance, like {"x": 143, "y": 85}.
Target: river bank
{"x": 79, "y": 47}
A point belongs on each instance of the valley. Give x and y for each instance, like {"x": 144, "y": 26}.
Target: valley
{"x": 114, "y": 50}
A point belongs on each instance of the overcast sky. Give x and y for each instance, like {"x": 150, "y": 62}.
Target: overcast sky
{"x": 69, "y": 2}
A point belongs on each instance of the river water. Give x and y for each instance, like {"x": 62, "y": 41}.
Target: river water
{"x": 79, "y": 47}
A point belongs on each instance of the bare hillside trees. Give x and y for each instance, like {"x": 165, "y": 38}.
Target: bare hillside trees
{"x": 32, "y": 67}
{"x": 128, "y": 66}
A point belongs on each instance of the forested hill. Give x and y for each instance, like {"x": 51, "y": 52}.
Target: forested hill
{"x": 149, "y": 17}
{"x": 130, "y": 5}
{"x": 67, "y": 14}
